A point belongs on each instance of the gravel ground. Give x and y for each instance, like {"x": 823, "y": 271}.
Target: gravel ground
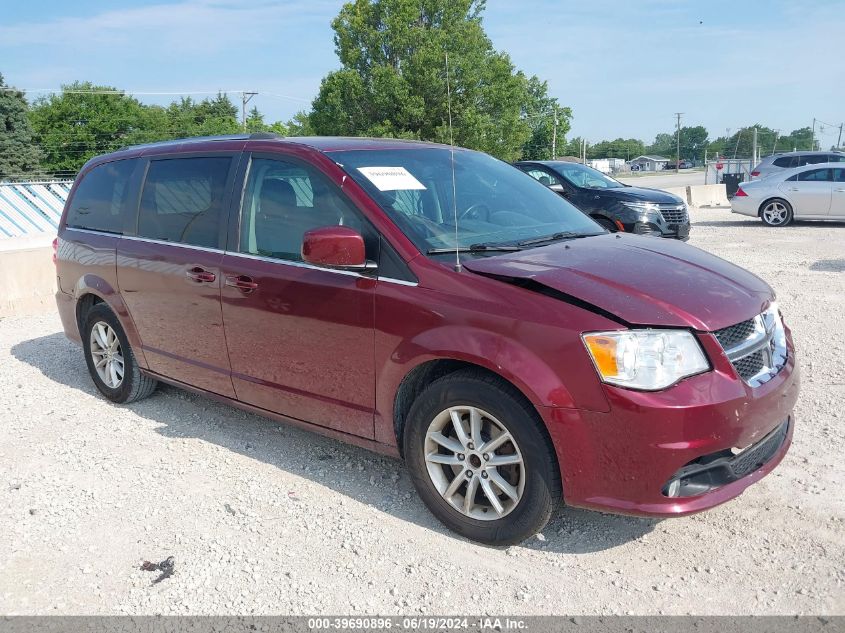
{"x": 267, "y": 519}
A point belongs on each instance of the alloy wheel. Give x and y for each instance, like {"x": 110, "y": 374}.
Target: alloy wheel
{"x": 474, "y": 463}
{"x": 775, "y": 213}
{"x": 107, "y": 354}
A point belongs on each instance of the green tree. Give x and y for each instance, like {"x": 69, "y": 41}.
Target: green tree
{"x": 255, "y": 121}
{"x": 664, "y": 145}
{"x": 186, "y": 117}
{"x": 18, "y": 153}
{"x": 392, "y": 80}
{"x": 299, "y": 125}
{"x": 626, "y": 148}
{"x": 82, "y": 121}
{"x": 693, "y": 142}
{"x": 540, "y": 112}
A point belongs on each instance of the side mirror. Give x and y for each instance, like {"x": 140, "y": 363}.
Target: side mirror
{"x": 335, "y": 247}
{"x": 559, "y": 189}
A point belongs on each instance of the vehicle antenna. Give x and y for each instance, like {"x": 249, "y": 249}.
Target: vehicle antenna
{"x": 452, "y": 157}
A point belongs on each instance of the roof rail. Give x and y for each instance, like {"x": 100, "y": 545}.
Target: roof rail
{"x": 255, "y": 136}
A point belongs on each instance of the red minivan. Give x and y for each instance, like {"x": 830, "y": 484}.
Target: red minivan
{"x": 436, "y": 304}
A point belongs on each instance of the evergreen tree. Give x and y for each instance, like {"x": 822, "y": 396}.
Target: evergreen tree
{"x": 18, "y": 152}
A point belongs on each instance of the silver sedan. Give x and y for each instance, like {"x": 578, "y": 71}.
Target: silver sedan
{"x": 812, "y": 192}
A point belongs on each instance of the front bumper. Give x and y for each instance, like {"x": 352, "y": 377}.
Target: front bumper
{"x": 622, "y": 461}
{"x": 671, "y": 231}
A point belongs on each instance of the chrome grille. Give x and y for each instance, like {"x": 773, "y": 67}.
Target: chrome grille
{"x": 756, "y": 348}
{"x": 674, "y": 213}
{"x": 750, "y": 365}
{"x": 734, "y": 334}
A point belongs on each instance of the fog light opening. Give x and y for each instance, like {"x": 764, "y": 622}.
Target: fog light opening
{"x": 673, "y": 488}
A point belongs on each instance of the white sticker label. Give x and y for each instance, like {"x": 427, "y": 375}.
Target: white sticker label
{"x": 391, "y": 178}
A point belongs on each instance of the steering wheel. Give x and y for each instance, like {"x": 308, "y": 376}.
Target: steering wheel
{"x": 475, "y": 211}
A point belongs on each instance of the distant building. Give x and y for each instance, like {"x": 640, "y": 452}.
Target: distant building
{"x": 649, "y": 163}
{"x": 607, "y": 165}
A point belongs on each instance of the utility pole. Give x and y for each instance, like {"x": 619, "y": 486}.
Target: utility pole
{"x": 839, "y": 140}
{"x": 245, "y": 98}
{"x": 813, "y": 141}
{"x": 775, "y": 146}
{"x": 554, "y": 134}
{"x": 678, "y": 144}
{"x": 753, "y": 150}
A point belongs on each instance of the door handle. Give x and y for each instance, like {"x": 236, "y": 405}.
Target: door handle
{"x": 794, "y": 189}
{"x": 839, "y": 190}
{"x": 200, "y": 275}
{"x": 241, "y": 282}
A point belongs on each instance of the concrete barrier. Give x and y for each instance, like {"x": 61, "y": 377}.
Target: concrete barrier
{"x": 708, "y": 196}
{"x": 681, "y": 192}
{"x": 27, "y": 276}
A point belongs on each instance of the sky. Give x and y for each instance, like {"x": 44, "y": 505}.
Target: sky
{"x": 624, "y": 67}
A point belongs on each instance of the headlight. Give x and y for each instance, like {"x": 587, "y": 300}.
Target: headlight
{"x": 645, "y": 359}
{"x": 642, "y": 207}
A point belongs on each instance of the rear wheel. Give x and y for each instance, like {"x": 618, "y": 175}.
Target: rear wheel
{"x": 776, "y": 212}
{"x": 480, "y": 459}
{"x": 110, "y": 359}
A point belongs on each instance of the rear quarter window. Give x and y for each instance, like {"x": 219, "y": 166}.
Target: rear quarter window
{"x": 786, "y": 161}
{"x": 99, "y": 203}
{"x": 183, "y": 200}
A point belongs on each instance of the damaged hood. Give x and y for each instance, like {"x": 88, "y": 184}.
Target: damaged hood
{"x": 639, "y": 280}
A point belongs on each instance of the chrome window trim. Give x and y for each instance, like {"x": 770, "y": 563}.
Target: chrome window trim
{"x": 91, "y": 231}
{"x": 301, "y": 264}
{"x": 151, "y": 240}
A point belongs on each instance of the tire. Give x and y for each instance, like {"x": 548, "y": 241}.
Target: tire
{"x": 500, "y": 408}
{"x": 132, "y": 384}
{"x": 776, "y": 212}
{"x": 607, "y": 224}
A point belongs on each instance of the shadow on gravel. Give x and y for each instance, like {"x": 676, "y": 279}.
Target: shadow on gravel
{"x": 749, "y": 222}
{"x": 359, "y": 474}
{"x": 759, "y": 223}
{"x": 829, "y": 266}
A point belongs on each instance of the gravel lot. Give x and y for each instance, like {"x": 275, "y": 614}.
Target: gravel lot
{"x": 263, "y": 519}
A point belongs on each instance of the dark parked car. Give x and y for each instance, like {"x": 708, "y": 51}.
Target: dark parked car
{"x": 435, "y": 304}
{"x": 614, "y": 205}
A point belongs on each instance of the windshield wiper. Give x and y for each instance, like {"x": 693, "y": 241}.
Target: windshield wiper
{"x": 554, "y": 237}
{"x": 475, "y": 248}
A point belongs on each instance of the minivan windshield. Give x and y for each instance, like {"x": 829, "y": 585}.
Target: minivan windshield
{"x": 496, "y": 204}
{"x": 583, "y": 176}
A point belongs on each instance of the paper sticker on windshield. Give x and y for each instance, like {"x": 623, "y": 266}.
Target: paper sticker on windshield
{"x": 391, "y": 178}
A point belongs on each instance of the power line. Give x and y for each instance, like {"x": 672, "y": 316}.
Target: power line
{"x": 145, "y": 93}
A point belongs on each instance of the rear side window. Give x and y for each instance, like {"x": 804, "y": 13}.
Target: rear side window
{"x": 786, "y": 161}
{"x": 812, "y": 159}
{"x": 183, "y": 200}
{"x": 815, "y": 175}
{"x": 100, "y": 198}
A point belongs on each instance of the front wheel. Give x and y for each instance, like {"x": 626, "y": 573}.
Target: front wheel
{"x": 480, "y": 459}
{"x": 607, "y": 225}
{"x": 776, "y": 213}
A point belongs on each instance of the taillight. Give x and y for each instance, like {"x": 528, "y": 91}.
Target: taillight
{"x": 740, "y": 193}
{"x": 55, "y": 249}
{"x": 755, "y": 173}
